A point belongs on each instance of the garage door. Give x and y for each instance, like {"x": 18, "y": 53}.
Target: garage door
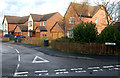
{"x": 54, "y": 35}
{"x": 60, "y": 35}
{"x": 37, "y": 34}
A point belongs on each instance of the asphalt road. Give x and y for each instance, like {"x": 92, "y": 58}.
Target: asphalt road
{"x": 20, "y": 61}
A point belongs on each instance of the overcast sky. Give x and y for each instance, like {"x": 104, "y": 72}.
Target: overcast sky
{"x": 25, "y": 7}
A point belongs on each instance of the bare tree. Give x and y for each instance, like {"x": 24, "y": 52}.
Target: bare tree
{"x": 111, "y": 7}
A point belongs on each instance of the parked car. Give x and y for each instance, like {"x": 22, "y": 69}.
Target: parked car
{"x": 8, "y": 35}
{"x": 18, "y": 38}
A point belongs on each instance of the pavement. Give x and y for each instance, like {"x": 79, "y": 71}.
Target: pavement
{"x": 56, "y": 53}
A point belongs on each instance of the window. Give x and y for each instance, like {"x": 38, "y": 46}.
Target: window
{"x": 40, "y": 24}
{"x": 72, "y": 20}
{"x": 5, "y": 28}
{"x": 43, "y": 23}
{"x": 70, "y": 34}
{"x": 96, "y": 21}
{"x": 30, "y": 23}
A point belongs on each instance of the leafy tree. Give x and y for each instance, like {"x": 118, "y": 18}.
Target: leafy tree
{"x": 85, "y": 32}
{"x": 109, "y": 34}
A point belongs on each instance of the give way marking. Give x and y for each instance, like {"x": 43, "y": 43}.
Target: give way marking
{"x": 38, "y": 59}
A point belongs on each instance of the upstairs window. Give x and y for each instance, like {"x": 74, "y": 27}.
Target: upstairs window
{"x": 43, "y": 23}
{"x": 96, "y": 21}
{"x": 30, "y": 24}
{"x": 72, "y": 20}
{"x": 40, "y": 24}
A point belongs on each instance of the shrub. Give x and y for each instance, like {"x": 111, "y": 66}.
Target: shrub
{"x": 11, "y": 38}
{"x": 109, "y": 34}
{"x": 85, "y": 33}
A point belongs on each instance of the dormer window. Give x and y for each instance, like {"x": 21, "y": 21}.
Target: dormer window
{"x": 72, "y": 20}
{"x": 30, "y": 24}
{"x": 43, "y": 23}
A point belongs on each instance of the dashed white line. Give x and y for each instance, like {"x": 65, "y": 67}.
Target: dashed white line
{"x": 43, "y": 71}
{"x": 84, "y": 71}
{"x": 60, "y": 70}
{"x": 76, "y": 69}
{"x": 108, "y": 66}
{"x": 17, "y": 51}
{"x": 94, "y": 68}
{"x": 117, "y": 65}
{"x": 21, "y": 74}
{"x": 10, "y": 47}
{"x": 19, "y": 58}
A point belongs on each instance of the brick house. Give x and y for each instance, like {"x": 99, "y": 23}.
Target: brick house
{"x": 33, "y": 25}
{"x": 10, "y": 22}
{"x": 76, "y": 13}
{"x": 40, "y": 25}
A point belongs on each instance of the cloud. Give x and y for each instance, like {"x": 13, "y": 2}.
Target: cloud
{"x": 25, "y": 7}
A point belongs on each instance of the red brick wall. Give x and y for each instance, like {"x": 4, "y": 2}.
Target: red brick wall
{"x": 51, "y": 21}
{"x": 35, "y": 24}
{"x": 11, "y": 27}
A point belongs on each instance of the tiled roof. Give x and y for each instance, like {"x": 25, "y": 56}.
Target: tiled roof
{"x": 16, "y": 20}
{"x": 47, "y": 16}
{"x": 36, "y": 17}
{"x": 23, "y": 28}
{"x": 83, "y": 9}
{"x": 41, "y": 28}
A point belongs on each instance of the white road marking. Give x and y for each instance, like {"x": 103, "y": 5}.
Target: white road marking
{"x": 20, "y": 74}
{"x": 19, "y": 58}
{"x": 37, "y": 57}
{"x": 117, "y": 65}
{"x": 81, "y": 71}
{"x": 66, "y": 72}
{"x": 10, "y": 47}
{"x": 17, "y": 51}
{"x": 94, "y": 68}
{"x": 117, "y": 68}
{"x": 43, "y": 71}
{"x": 108, "y": 66}
{"x": 60, "y": 70}
{"x": 18, "y": 65}
{"x": 76, "y": 69}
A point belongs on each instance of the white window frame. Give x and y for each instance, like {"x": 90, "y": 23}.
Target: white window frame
{"x": 30, "y": 24}
{"x": 96, "y": 21}
{"x": 43, "y": 23}
{"x": 70, "y": 34}
{"x": 72, "y": 20}
{"x": 40, "y": 24}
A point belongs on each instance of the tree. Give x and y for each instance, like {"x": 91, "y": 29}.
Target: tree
{"x": 111, "y": 7}
{"x": 85, "y": 32}
{"x": 109, "y": 34}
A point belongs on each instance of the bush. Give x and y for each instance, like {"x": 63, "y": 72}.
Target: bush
{"x": 85, "y": 33}
{"x": 109, "y": 34}
{"x": 11, "y": 38}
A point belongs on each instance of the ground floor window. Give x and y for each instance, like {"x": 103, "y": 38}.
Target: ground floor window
{"x": 29, "y": 34}
{"x": 70, "y": 34}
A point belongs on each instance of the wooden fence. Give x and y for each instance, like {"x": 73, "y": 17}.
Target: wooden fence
{"x": 88, "y": 48}
{"x": 33, "y": 40}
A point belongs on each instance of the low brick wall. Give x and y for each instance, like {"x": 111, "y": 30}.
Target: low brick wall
{"x": 89, "y": 48}
{"x": 33, "y": 40}
{"x": 5, "y": 39}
